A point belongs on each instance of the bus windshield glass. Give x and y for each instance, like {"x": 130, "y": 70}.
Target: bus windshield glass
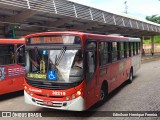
{"x": 60, "y": 65}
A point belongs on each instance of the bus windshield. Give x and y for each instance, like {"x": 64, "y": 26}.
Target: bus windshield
{"x": 60, "y": 65}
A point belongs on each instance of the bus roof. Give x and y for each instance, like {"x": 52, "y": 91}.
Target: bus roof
{"x": 12, "y": 41}
{"x": 58, "y": 32}
{"x": 87, "y": 35}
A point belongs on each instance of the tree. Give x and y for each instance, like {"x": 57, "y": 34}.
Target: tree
{"x": 154, "y": 18}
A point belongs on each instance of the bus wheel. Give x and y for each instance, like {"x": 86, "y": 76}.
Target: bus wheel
{"x": 130, "y": 76}
{"x": 103, "y": 94}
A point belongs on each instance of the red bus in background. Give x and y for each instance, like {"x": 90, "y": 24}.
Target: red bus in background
{"x": 74, "y": 70}
{"x": 11, "y": 65}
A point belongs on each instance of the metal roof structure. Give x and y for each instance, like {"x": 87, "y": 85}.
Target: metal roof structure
{"x": 30, "y": 16}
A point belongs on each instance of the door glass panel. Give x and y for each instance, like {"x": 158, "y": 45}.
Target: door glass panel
{"x": 91, "y": 60}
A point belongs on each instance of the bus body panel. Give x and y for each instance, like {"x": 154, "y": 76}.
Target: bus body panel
{"x": 92, "y": 91}
{"x": 12, "y": 78}
{"x": 114, "y": 73}
{"x": 136, "y": 63}
{"x": 119, "y": 73}
{"x": 11, "y": 75}
{"x": 54, "y": 94}
{"x": 72, "y": 105}
{"x": 12, "y": 41}
{"x": 55, "y": 98}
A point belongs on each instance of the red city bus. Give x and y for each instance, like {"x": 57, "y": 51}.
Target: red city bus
{"x": 12, "y": 69}
{"x": 74, "y": 70}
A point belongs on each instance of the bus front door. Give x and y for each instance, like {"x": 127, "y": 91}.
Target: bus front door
{"x": 91, "y": 75}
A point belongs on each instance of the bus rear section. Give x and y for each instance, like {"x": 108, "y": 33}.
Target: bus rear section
{"x": 12, "y": 69}
{"x": 55, "y": 77}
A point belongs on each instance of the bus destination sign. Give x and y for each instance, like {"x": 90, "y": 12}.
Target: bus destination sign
{"x": 62, "y": 39}
{"x": 39, "y": 40}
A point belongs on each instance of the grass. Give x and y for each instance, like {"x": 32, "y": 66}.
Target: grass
{"x": 148, "y": 40}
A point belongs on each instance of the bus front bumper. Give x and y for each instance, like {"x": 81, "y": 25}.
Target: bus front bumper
{"x": 73, "y": 105}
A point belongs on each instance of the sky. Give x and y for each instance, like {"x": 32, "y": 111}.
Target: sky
{"x": 136, "y": 8}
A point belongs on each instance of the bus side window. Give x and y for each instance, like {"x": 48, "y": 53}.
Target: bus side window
{"x": 21, "y": 55}
{"x": 114, "y": 51}
{"x": 137, "y": 48}
{"x": 134, "y": 48}
{"x": 104, "y": 57}
{"x": 91, "y": 60}
{"x": 7, "y": 54}
{"x": 130, "y": 49}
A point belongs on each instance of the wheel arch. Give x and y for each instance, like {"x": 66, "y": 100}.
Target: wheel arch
{"x": 131, "y": 68}
{"x": 105, "y": 84}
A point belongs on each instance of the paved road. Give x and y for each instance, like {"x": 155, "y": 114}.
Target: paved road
{"x": 142, "y": 95}
{"x": 149, "y": 58}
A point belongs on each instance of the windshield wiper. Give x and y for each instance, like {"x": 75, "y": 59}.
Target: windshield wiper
{"x": 53, "y": 66}
{"x": 60, "y": 56}
{"x": 34, "y": 63}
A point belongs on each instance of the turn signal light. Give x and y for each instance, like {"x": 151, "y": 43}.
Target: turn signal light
{"x": 67, "y": 98}
{"x": 73, "y": 96}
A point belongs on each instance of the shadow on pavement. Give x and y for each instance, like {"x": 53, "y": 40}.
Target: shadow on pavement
{"x": 149, "y": 58}
{"x": 11, "y": 95}
{"x": 112, "y": 94}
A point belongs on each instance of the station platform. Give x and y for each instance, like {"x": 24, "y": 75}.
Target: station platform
{"x": 148, "y": 57}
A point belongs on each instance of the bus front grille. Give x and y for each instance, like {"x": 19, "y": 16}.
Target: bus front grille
{"x": 52, "y": 103}
{"x": 50, "y": 85}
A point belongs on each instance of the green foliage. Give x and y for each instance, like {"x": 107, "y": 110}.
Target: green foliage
{"x": 157, "y": 39}
{"x": 148, "y": 41}
{"x": 154, "y": 18}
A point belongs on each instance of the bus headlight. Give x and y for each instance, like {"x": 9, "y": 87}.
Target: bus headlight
{"x": 73, "y": 96}
{"x": 78, "y": 93}
{"x": 25, "y": 87}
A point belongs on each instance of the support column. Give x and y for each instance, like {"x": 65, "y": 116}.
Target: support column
{"x": 142, "y": 39}
{"x": 142, "y": 49}
{"x": 152, "y": 47}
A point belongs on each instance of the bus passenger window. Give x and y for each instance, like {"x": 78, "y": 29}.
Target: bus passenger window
{"x": 125, "y": 49}
{"x": 104, "y": 58}
{"x": 134, "y": 48}
{"x": 119, "y": 50}
{"x": 7, "y": 54}
{"x": 114, "y": 51}
{"x": 137, "y": 48}
{"x": 20, "y": 55}
{"x": 130, "y": 49}
{"x": 122, "y": 50}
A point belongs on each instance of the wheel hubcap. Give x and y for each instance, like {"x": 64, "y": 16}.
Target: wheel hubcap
{"x": 102, "y": 95}
{"x": 131, "y": 76}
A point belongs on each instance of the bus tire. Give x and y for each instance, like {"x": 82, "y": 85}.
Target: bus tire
{"x": 103, "y": 93}
{"x": 130, "y": 76}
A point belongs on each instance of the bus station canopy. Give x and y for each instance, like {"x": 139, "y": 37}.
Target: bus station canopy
{"x": 30, "y": 16}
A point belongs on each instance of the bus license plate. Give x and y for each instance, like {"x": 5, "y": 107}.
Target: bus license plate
{"x": 48, "y": 102}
